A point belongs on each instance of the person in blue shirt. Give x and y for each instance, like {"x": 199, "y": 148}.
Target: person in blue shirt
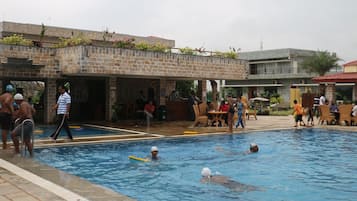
{"x": 240, "y": 110}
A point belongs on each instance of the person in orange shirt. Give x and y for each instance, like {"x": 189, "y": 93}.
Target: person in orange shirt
{"x": 298, "y": 111}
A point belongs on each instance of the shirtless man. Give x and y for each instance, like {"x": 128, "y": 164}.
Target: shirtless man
{"x": 6, "y": 110}
{"x": 207, "y": 177}
{"x": 26, "y": 111}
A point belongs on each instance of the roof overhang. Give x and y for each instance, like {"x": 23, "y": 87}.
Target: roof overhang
{"x": 253, "y": 85}
{"x": 338, "y": 78}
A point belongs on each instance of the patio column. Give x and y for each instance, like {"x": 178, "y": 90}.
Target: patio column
{"x": 111, "y": 97}
{"x": 354, "y": 93}
{"x": 49, "y": 100}
{"x": 202, "y": 90}
{"x": 166, "y": 87}
{"x": 330, "y": 92}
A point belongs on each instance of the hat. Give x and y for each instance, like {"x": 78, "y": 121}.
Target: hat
{"x": 18, "y": 97}
{"x": 206, "y": 172}
{"x": 253, "y": 145}
{"x": 9, "y": 88}
{"x": 154, "y": 148}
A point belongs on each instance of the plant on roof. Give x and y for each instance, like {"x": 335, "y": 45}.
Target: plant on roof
{"x": 73, "y": 41}
{"x": 127, "y": 43}
{"x": 152, "y": 47}
{"x": 187, "y": 50}
{"x": 320, "y": 62}
{"x": 230, "y": 54}
{"x": 16, "y": 39}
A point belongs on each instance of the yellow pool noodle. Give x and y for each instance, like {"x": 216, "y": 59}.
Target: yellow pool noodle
{"x": 139, "y": 159}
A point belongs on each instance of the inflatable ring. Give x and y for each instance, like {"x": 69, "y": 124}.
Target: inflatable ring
{"x": 38, "y": 131}
{"x": 75, "y": 127}
{"x": 139, "y": 159}
{"x": 190, "y": 132}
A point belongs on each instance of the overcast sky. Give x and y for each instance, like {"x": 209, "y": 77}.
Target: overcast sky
{"x": 213, "y": 24}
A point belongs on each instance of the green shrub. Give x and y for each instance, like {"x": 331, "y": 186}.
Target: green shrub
{"x": 187, "y": 50}
{"x": 230, "y": 54}
{"x": 154, "y": 48}
{"x": 125, "y": 44}
{"x": 73, "y": 41}
{"x": 16, "y": 40}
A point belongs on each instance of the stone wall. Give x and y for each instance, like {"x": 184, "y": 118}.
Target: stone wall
{"x": 44, "y": 57}
{"x": 52, "y": 34}
{"x": 115, "y": 61}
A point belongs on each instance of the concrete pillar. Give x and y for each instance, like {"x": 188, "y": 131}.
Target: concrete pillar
{"x": 1, "y": 87}
{"x": 111, "y": 97}
{"x": 202, "y": 90}
{"x": 166, "y": 87}
{"x": 49, "y": 100}
{"x": 330, "y": 92}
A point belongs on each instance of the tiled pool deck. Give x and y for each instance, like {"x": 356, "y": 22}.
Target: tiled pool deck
{"x": 24, "y": 179}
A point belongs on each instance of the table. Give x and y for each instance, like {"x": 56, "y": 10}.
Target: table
{"x": 218, "y": 116}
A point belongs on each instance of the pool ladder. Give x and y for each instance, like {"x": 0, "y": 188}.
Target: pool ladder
{"x": 22, "y": 144}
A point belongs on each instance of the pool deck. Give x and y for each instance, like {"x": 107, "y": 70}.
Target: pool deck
{"x": 24, "y": 179}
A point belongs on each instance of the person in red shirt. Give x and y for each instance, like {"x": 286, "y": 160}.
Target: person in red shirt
{"x": 149, "y": 109}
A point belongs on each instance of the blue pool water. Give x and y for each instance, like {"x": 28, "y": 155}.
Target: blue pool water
{"x": 43, "y": 131}
{"x": 293, "y": 165}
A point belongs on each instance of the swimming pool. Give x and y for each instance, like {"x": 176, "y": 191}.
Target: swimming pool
{"x": 296, "y": 165}
{"x": 44, "y": 131}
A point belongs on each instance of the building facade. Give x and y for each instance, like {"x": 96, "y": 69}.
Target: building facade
{"x": 276, "y": 71}
{"x": 101, "y": 75}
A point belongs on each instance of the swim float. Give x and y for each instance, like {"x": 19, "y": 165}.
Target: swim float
{"x": 38, "y": 131}
{"x": 139, "y": 159}
{"x": 75, "y": 127}
{"x": 190, "y": 132}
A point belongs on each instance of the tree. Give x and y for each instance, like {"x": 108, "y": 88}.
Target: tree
{"x": 321, "y": 62}
{"x": 184, "y": 87}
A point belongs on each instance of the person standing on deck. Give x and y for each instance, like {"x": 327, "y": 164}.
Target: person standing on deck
{"x": 6, "y": 110}
{"x": 63, "y": 107}
{"x": 25, "y": 112}
{"x": 230, "y": 113}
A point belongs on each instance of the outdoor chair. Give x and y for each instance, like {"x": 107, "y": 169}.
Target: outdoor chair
{"x": 354, "y": 120}
{"x": 203, "y": 109}
{"x": 252, "y": 112}
{"x": 199, "y": 119}
{"x": 345, "y": 113}
{"x": 326, "y": 115}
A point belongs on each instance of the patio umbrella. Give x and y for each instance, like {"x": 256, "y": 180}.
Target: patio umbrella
{"x": 259, "y": 99}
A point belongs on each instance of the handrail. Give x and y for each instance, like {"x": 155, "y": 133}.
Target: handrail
{"x": 23, "y": 145}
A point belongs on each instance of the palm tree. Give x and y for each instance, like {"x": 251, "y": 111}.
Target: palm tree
{"x": 321, "y": 62}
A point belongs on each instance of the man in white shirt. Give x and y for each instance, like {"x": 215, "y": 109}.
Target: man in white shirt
{"x": 322, "y": 99}
{"x": 354, "y": 109}
{"x": 63, "y": 106}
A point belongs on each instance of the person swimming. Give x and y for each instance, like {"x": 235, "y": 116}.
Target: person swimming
{"x": 154, "y": 153}
{"x": 225, "y": 181}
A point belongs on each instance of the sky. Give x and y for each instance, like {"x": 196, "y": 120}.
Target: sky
{"x": 215, "y": 25}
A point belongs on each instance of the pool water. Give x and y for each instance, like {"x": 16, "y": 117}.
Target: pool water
{"x": 43, "y": 131}
{"x": 294, "y": 165}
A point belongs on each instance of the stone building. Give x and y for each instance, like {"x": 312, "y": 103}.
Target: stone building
{"x": 101, "y": 75}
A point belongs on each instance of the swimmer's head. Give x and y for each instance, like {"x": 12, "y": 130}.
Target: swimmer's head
{"x": 254, "y": 147}
{"x": 9, "y": 88}
{"x": 206, "y": 172}
{"x": 154, "y": 149}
